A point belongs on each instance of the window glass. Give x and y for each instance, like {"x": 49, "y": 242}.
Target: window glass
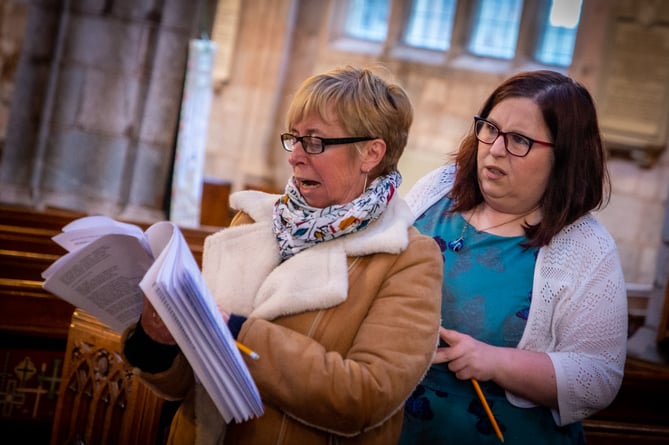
{"x": 430, "y": 24}
{"x": 556, "y": 41}
{"x": 367, "y": 19}
{"x": 495, "y": 30}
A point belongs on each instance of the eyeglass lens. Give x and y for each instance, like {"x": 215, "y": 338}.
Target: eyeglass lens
{"x": 310, "y": 144}
{"x": 514, "y": 143}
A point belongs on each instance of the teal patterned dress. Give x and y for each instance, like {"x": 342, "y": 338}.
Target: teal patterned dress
{"x": 487, "y": 292}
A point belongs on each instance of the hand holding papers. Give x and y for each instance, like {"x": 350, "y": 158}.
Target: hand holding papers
{"x": 111, "y": 266}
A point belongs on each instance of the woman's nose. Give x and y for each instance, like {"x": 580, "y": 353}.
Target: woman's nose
{"x": 297, "y": 155}
{"x": 498, "y": 146}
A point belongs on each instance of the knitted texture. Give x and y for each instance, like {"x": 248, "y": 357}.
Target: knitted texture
{"x": 578, "y": 313}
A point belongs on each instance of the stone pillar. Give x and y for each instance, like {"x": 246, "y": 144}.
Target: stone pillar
{"x": 241, "y": 136}
{"x": 95, "y": 111}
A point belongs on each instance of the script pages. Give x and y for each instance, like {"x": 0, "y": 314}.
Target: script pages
{"x": 110, "y": 265}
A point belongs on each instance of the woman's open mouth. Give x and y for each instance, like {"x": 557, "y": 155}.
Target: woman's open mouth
{"x": 307, "y": 183}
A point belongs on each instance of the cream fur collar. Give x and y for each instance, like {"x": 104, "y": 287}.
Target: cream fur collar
{"x": 242, "y": 268}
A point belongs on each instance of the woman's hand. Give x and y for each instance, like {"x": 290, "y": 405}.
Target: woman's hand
{"x": 155, "y": 328}
{"x": 225, "y": 315}
{"x": 153, "y": 325}
{"x": 528, "y": 374}
{"x": 466, "y": 357}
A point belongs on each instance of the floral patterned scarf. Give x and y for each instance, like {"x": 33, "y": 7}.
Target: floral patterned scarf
{"x": 298, "y": 226}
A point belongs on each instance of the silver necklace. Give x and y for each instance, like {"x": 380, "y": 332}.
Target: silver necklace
{"x": 457, "y": 244}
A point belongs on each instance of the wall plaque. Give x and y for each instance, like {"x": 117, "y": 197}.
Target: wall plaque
{"x": 634, "y": 102}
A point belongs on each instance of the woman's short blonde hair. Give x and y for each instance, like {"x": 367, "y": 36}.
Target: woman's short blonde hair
{"x": 363, "y": 103}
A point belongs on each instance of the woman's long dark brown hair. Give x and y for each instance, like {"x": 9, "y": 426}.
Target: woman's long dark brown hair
{"x": 579, "y": 181}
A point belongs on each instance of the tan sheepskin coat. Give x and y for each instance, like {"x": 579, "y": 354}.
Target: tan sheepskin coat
{"x": 345, "y": 330}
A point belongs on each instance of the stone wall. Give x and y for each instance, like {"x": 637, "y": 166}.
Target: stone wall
{"x": 245, "y": 151}
{"x": 96, "y": 104}
{"x": 12, "y": 25}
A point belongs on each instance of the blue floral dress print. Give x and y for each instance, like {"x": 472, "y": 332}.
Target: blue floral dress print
{"x": 486, "y": 293}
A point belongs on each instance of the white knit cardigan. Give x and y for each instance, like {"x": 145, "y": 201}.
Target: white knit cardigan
{"x": 578, "y": 314}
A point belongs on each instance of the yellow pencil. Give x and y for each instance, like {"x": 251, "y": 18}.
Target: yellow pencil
{"x": 245, "y": 349}
{"x": 477, "y": 388}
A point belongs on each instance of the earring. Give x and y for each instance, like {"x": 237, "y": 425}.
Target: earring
{"x": 364, "y": 187}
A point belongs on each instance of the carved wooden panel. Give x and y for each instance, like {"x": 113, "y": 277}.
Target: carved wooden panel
{"x": 100, "y": 400}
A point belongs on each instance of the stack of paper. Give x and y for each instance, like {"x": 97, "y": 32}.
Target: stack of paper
{"x": 111, "y": 265}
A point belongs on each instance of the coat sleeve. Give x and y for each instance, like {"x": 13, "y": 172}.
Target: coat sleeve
{"x": 170, "y": 384}
{"x": 392, "y": 344}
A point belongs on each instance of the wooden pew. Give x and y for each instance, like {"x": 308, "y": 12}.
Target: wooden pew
{"x": 26, "y": 249}
{"x": 33, "y": 323}
{"x": 50, "y": 218}
{"x": 98, "y": 400}
{"x": 27, "y": 310}
{"x": 29, "y": 239}
{"x": 639, "y": 414}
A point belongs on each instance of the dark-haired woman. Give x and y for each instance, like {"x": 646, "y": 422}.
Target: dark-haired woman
{"x": 533, "y": 299}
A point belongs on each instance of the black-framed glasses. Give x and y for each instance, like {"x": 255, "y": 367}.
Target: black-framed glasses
{"x": 314, "y": 144}
{"x": 515, "y": 143}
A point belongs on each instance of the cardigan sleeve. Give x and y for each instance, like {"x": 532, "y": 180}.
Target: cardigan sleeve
{"x": 578, "y": 316}
{"x": 430, "y": 189}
